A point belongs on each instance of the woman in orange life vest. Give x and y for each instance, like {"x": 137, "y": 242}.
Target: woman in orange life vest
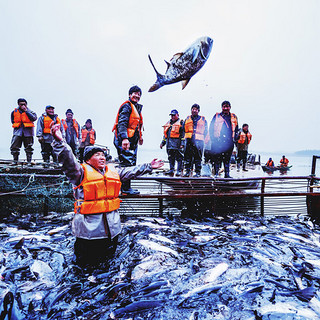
{"x": 44, "y": 135}
{"x": 223, "y": 130}
{"x": 284, "y": 161}
{"x": 128, "y": 133}
{"x": 88, "y": 138}
{"x": 22, "y": 119}
{"x": 243, "y": 139}
{"x": 96, "y": 223}
{"x": 173, "y": 138}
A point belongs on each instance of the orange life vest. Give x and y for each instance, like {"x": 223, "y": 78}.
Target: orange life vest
{"x": 100, "y": 192}
{"x": 175, "y": 131}
{"x": 200, "y": 129}
{"x": 47, "y": 122}
{"x": 75, "y": 125}
{"x": 219, "y": 122}
{"x": 135, "y": 120}
{"x": 243, "y": 136}
{"x": 84, "y": 133}
{"x": 20, "y": 118}
{"x": 284, "y": 162}
{"x": 270, "y": 163}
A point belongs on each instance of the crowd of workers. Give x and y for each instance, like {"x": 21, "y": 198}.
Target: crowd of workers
{"x": 23, "y": 122}
{"x": 97, "y": 185}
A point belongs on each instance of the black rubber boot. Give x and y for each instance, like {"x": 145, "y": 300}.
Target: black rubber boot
{"x": 126, "y": 188}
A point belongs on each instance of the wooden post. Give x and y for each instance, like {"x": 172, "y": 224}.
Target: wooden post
{"x": 263, "y": 185}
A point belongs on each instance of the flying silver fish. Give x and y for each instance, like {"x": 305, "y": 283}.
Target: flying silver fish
{"x": 184, "y": 65}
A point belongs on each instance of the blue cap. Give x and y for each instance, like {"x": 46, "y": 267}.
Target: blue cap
{"x": 173, "y": 112}
{"x": 47, "y": 107}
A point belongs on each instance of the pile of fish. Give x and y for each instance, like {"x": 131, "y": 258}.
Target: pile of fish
{"x": 222, "y": 267}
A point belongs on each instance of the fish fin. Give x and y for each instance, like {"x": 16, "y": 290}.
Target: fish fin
{"x": 154, "y": 87}
{"x": 168, "y": 64}
{"x": 177, "y": 55}
{"x": 157, "y": 84}
{"x": 154, "y": 66}
{"x": 184, "y": 83}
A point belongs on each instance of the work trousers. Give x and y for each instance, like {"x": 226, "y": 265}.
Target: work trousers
{"x": 173, "y": 156}
{"x": 16, "y": 144}
{"x": 219, "y": 158}
{"x": 93, "y": 252}
{"x": 193, "y": 155}
{"x": 242, "y": 157}
{"x": 47, "y": 151}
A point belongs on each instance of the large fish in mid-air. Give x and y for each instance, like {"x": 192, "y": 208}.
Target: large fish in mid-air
{"x": 184, "y": 65}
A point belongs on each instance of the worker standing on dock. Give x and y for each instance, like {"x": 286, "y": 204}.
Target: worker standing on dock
{"x": 284, "y": 161}
{"x": 96, "y": 223}
{"x": 73, "y": 132}
{"x": 44, "y": 135}
{"x": 196, "y": 130}
{"x": 128, "y": 133}
{"x": 88, "y": 138}
{"x": 243, "y": 139}
{"x": 22, "y": 119}
{"x": 173, "y": 138}
{"x": 223, "y": 130}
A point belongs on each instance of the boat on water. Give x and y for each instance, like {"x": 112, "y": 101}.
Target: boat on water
{"x": 277, "y": 168}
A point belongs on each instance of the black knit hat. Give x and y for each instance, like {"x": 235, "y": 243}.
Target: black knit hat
{"x": 90, "y": 151}
{"x": 134, "y": 89}
{"x": 69, "y": 111}
{"x": 195, "y": 106}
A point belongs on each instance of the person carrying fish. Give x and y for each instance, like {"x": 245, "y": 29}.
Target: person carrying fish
{"x": 173, "y": 137}
{"x": 44, "y": 135}
{"x": 128, "y": 133}
{"x": 72, "y": 130}
{"x": 22, "y": 119}
{"x": 88, "y": 138}
{"x": 223, "y": 130}
{"x": 96, "y": 223}
{"x": 196, "y": 132}
{"x": 243, "y": 139}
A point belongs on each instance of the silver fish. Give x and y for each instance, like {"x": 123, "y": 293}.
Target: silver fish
{"x": 184, "y": 65}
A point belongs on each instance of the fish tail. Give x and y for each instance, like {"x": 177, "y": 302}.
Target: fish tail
{"x": 158, "y": 83}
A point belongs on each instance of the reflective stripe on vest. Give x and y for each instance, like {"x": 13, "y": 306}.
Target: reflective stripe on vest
{"x": 20, "y": 118}
{"x": 175, "y": 131}
{"x": 84, "y": 133}
{"x": 75, "y": 125}
{"x": 100, "y": 192}
{"x": 135, "y": 120}
{"x": 47, "y": 122}
{"x": 220, "y": 121}
{"x": 199, "y": 132}
{"x": 243, "y": 136}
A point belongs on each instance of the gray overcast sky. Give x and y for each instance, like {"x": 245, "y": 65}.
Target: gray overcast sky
{"x": 85, "y": 54}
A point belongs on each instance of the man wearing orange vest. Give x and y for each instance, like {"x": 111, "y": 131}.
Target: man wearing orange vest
{"x": 22, "y": 119}
{"x": 72, "y": 130}
{"x": 284, "y": 161}
{"x": 173, "y": 137}
{"x": 196, "y": 131}
{"x": 128, "y": 133}
{"x": 44, "y": 135}
{"x": 243, "y": 139}
{"x": 96, "y": 223}
{"x": 88, "y": 138}
{"x": 223, "y": 130}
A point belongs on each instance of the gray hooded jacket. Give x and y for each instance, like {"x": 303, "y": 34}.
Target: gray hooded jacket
{"x": 93, "y": 226}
